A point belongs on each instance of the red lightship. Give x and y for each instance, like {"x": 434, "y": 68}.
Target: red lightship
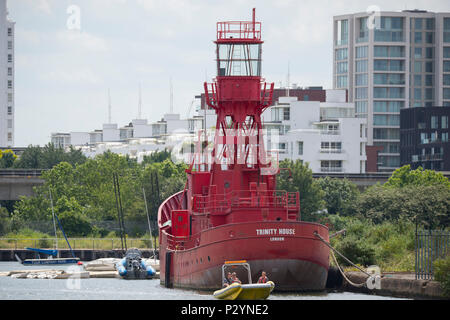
{"x": 230, "y": 208}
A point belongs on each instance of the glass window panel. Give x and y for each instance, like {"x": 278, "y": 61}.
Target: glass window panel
{"x": 381, "y": 51}
{"x": 418, "y": 23}
{"x": 446, "y": 66}
{"x": 418, "y": 37}
{"x": 446, "y": 52}
{"x": 446, "y": 80}
{"x": 417, "y": 53}
{"x": 417, "y": 66}
{"x": 380, "y": 65}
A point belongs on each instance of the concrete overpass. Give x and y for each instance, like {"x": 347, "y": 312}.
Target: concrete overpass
{"x": 20, "y": 182}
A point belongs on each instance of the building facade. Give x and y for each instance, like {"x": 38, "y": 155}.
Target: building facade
{"x": 397, "y": 60}
{"x": 326, "y": 135}
{"x": 6, "y": 77}
{"x": 424, "y": 138}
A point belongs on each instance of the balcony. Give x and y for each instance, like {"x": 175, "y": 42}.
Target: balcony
{"x": 427, "y": 157}
{"x": 329, "y": 150}
{"x": 331, "y": 169}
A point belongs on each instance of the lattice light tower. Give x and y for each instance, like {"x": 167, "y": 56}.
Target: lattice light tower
{"x": 239, "y": 96}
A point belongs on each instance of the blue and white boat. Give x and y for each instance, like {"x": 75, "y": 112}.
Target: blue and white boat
{"x": 132, "y": 266}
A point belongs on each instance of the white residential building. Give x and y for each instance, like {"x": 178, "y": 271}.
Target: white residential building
{"x": 391, "y": 61}
{"x": 7, "y": 84}
{"x": 324, "y": 134}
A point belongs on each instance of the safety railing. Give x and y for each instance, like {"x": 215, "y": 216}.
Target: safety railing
{"x": 239, "y": 30}
{"x": 221, "y": 203}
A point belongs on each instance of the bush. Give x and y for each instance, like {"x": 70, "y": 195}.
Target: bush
{"x": 442, "y": 274}
{"x": 357, "y": 251}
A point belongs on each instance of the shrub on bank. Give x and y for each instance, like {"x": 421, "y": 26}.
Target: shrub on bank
{"x": 441, "y": 269}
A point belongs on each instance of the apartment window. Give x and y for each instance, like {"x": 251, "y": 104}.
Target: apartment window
{"x": 446, "y": 52}
{"x": 361, "y": 79}
{"x": 300, "y": 147}
{"x": 430, "y": 23}
{"x": 418, "y": 66}
{"x": 386, "y": 134}
{"x": 361, "y": 52}
{"x": 446, "y": 93}
{"x": 418, "y": 23}
{"x": 341, "y": 82}
{"x": 342, "y": 67}
{"x": 286, "y": 113}
{"x": 428, "y": 94}
{"x": 429, "y": 52}
{"x": 9, "y": 57}
{"x": 9, "y": 136}
{"x": 391, "y": 29}
{"x": 381, "y": 51}
{"x": 417, "y": 94}
{"x": 331, "y": 166}
{"x": 434, "y": 122}
{"x": 386, "y": 120}
{"x": 428, "y": 66}
{"x": 361, "y": 93}
{"x": 446, "y": 66}
{"x": 361, "y": 66}
{"x": 444, "y": 122}
{"x": 10, "y": 97}
{"x": 10, "y": 71}
{"x": 417, "y": 37}
{"x": 341, "y": 54}
{"x": 444, "y": 136}
{"x": 429, "y": 37}
{"x": 9, "y": 110}
{"x": 446, "y": 29}
{"x": 10, "y": 45}
{"x": 342, "y": 32}
{"x": 429, "y": 80}
{"x": 446, "y": 80}
{"x": 417, "y": 53}
{"x": 417, "y": 80}
{"x": 9, "y": 84}
{"x": 9, "y": 32}
{"x": 361, "y": 106}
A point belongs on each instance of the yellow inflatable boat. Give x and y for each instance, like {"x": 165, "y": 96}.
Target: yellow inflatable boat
{"x": 237, "y": 291}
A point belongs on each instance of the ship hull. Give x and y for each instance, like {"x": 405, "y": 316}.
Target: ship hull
{"x": 293, "y": 258}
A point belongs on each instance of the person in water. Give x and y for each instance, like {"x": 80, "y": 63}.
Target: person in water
{"x": 263, "y": 278}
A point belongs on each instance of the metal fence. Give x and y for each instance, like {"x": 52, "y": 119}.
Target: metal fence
{"x": 430, "y": 245}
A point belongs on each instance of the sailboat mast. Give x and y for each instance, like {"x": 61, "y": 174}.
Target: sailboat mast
{"x": 54, "y": 223}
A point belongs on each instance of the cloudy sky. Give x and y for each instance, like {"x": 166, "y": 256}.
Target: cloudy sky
{"x": 63, "y": 74}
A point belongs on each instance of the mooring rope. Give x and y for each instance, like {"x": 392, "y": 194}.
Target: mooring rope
{"x": 339, "y": 267}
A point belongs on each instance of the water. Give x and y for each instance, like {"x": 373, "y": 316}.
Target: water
{"x": 119, "y": 289}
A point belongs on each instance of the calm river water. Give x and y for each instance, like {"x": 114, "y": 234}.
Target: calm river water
{"x": 118, "y": 289}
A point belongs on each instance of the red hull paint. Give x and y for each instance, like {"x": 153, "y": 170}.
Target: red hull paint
{"x": 297, "y": 261}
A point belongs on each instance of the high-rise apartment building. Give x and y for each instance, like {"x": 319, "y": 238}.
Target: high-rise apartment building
{"x": 389, "y": 61}
{"x": 6, "y": 78}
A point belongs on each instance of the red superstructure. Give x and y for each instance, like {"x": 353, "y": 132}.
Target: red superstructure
{"x": 230, "y": 208}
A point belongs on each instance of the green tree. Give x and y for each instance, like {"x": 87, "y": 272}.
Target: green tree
{"x": 404, "y": 176}
{"x": 7, "y": 158}
{"x": 30, "y": 158}
{"x": 302, "y": 181}
{"x": 339, "y": 195}
{"x": 426, "y": 205}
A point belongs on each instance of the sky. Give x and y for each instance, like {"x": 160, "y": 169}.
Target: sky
{"x": 63, "y": 73}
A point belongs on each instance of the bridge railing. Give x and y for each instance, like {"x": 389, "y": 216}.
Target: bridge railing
{"x": 21, "y": 172}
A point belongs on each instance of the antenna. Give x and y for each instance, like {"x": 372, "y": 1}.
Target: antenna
{"x": 171, "y": 96}
{"x": 140, "y": 103}
{"x": 109, "y": 106}
{"x": 288, "y": 80}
